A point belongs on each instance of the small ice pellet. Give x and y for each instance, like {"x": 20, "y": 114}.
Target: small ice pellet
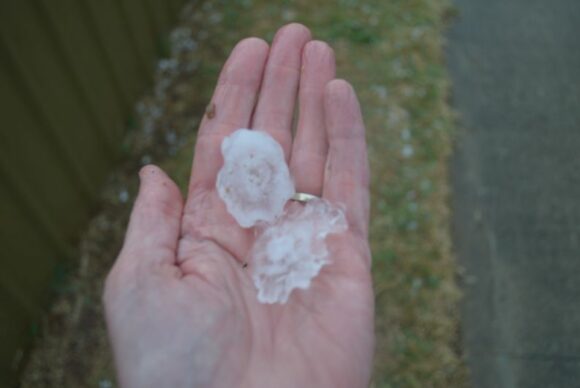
{"x": 289, "y": 253}
{"x": 407, "y": 151}
{"x": 254, "y": 181}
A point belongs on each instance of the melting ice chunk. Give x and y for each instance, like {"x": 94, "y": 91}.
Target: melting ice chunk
{"x": 290, "y": 247}
{"x": 254, "y": 182}
{"x": 290, "y": 253}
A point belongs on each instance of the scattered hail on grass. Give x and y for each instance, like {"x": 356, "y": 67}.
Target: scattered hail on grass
{"x": 290, "y": 247}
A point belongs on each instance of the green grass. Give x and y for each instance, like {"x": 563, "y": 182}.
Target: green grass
{"x": 392, "y": 53}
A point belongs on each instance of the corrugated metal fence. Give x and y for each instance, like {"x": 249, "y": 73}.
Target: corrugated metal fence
{"x": 69, "y": 73}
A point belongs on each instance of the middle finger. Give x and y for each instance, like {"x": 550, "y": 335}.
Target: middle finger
{"x": 275, "y": 107}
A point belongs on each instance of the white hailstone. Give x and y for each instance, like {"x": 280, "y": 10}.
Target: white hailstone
{"x": 290, "y": 253}
{"x": 406, "y": 134}
{"x": 123, "y": 196}
{"x": 407, "y": 151}
{"x": 254, "y": 181}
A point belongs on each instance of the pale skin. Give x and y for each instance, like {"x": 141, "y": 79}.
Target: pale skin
{"x": 180, "y": 304}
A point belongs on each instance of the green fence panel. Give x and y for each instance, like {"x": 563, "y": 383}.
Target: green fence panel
{"x": 87, "y": 67}
{"x": 70, "y": 72}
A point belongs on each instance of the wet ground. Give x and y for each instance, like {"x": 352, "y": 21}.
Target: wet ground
{"x": 516, "y": 72}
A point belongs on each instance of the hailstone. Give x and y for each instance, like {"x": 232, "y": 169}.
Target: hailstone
{"x": 289, "y": 253}
{"x": 254, "y": 181}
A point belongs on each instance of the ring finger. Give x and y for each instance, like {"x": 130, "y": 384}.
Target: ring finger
{"x": 310, "y": 144}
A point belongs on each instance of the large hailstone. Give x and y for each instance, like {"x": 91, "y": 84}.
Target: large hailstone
{"x": 290, "y": 253}
{"x": 254, "y": 182}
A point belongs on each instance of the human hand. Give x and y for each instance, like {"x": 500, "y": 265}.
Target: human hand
{"x": 181, "y": 307}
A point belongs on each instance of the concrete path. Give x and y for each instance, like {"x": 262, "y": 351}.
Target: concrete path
{"x": 515, "y": 65}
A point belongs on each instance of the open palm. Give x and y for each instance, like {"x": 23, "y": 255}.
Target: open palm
{"x": 180, "y": 302}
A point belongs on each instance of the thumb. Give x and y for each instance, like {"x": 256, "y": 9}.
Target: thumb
{"x": 154, "y": 226}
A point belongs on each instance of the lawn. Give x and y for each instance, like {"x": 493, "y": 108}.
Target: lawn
{"x": 392, "y": 52}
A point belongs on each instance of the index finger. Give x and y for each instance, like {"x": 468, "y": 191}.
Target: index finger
{"x": 346, "y": 178}
{"x": 230, "y": 108}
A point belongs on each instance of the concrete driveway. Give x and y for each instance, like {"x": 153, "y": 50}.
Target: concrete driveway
{"x": 515, "y": 65}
